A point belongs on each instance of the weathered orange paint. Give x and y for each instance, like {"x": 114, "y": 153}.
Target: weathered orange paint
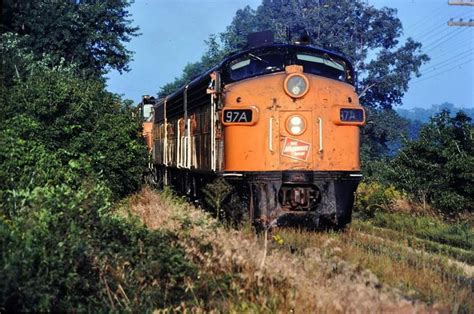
{"x": 259, "y": 147}
{"x": 147, "y": 134}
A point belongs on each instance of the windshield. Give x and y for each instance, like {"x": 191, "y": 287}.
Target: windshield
{"x": 273, "y": 59}
{"x": 252, "y": 64}
{"x": 323, "y": 65}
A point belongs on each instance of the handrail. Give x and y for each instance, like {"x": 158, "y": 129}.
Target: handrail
{"x": 270, "y": 134}
{"x": 320, "y": 134}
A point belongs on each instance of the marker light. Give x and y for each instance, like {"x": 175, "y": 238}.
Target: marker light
{"x": 296, "y": 85}
{"x": 295, "y": 125}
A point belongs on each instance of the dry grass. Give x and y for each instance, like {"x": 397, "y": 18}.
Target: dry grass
{"x": 418, "y": 275}
{"x": 462, "y": 255}
{"x": 317, "y": 279}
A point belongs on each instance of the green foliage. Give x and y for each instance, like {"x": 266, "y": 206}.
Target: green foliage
{"x": 373, "y": 196}
{"x": 437, "y": 168}
{"x": 116, "y": 150}
{"x": 88, "y": 33}
{"x": 68, "y": 149}
{"x": 215, "y": 194}
{"x": 61, "y": 251}
{"x": 28, "y": 165}
{"x": 76, "y": 116}
{"x": 225, "y": 200}
{"x": 381, "y": 134}
{"x": 15, "y": 61}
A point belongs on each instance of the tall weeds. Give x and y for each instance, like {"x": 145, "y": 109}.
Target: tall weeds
{"x": 235, "y": 277}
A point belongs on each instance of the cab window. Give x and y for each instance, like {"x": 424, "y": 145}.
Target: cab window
{"x": 322, "y": 65}
{"x": 147, "y": 111}
{"x": 253, "y": 64}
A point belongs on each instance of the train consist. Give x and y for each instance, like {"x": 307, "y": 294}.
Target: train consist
{"x": 279, "y": 122}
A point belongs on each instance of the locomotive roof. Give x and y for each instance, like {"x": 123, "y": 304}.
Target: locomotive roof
{"x": 234, "y": 55}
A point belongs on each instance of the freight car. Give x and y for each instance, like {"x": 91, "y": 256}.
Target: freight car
{"x": 281, "y": 124}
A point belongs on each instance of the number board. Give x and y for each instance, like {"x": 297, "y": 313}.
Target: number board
{"x": 352, "y": 115}
{"x": 237, "y": 116}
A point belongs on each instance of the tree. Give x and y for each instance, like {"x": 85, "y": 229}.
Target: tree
{"x": 67, "y": 146}
{"x": 73, "y": 117}
{"x": 369, "y": 37}
{"x": 437, "y": 168}
{"x": 85, "y": 32}
{"x": 382, "y": 133}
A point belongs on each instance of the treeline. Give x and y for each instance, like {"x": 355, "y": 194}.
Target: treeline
{"x": 69, "y": 150}
{"x": 417, "y": 117}
{"x": 425, "y": 114}
{"x": 434, "y": 171}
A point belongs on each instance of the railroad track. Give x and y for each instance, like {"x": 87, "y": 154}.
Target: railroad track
{"x": 399, "y": 260}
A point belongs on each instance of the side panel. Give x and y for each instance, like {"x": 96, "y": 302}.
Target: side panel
{"x": 147, "y": 134}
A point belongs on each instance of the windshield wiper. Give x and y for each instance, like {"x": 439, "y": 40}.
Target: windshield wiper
{"x": 251, "y": 55}
{"x": 334, "y": 62}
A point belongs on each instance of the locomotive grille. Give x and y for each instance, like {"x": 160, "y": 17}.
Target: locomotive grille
{"x": 300, "y": 198}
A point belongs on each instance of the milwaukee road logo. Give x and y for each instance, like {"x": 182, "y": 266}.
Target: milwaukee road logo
{"x": 296, "y": 149}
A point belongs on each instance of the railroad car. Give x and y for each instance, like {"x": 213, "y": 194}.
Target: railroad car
{"x": 280, "y": 124}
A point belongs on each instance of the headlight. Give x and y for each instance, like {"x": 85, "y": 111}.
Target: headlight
{"x": 296, "y": 85}
{"x": 295, "y": 125}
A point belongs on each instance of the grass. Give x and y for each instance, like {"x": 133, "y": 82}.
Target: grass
{"x": 234, "y": 276}
{"x": 463, "y": 255}
{"x": 417, "y": 274}
{"x": 458, "y": 235}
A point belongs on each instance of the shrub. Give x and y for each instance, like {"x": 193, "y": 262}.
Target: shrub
{"x": 68, "y": 149}
{"x": 373, "y": 196}
{"x": 68, "y": 113}
{"x": 437, "y": 167}
{"x": 62, "y": 251}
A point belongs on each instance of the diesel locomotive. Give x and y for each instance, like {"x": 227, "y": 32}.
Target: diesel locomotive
{"x": 281, "y": 124}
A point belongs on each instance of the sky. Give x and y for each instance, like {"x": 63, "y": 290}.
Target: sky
{"x": 173, "y": 33}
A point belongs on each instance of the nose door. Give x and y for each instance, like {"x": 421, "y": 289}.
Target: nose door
{"x": 296, "y": 139}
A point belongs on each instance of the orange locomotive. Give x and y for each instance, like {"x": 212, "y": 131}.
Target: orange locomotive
{"x": 281, "y": 124}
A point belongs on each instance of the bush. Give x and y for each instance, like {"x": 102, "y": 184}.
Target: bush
{"x": 437, "y": 167}
{"x": 61, "y": 250}
{"x": 68, "y": 149}
{"x": 65, "y": 112}
{"x": 373, "y": 196}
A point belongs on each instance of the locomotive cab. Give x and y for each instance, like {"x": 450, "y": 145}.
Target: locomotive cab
{"x": 145, "y": 109}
